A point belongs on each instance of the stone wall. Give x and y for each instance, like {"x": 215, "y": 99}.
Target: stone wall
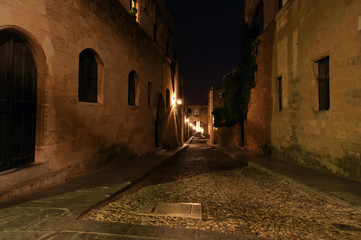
{"x": 305, "y": 32}
{"x": 77, "y": 135}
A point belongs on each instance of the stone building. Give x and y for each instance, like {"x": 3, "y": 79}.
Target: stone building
{"x": 306, "y": 104}
{"x": 85, "y": 81}
{"x": 198, "y": 117}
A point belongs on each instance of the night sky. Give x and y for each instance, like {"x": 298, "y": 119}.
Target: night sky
{"x": 208, "y": 36}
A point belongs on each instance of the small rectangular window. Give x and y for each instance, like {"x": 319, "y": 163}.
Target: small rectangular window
{"x": 149, "y": 93}
{"x": 133, "y": 3}
{"x": 280, "y": 103}
{"x": 146, "y": 7}
{"x": 323, "y": 84}
{"x": 155, "y": 32}
{"x": 131, "y": 88}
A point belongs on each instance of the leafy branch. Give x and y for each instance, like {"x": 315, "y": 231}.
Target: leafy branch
{"x": 237, "y": 85}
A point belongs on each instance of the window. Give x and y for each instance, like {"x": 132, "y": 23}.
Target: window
{"x": 131, "y": 88}
{"x": 323, "y": 84}
{"x": 280, "y": 104}
{"x": 88, "y": 73}
{"x": 155, "y": 32}
{"x": 146, "y": 7}
{"x": 149, "y": 93}
{"x": 257, "y": 20}
{"x": 167, "y": 98}
{"x": 133, "y": 4}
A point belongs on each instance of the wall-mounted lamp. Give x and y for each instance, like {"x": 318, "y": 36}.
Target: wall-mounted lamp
{"x": 179, "y": 101}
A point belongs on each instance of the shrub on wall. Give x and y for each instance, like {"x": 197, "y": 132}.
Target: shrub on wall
{"x": 237, "y": 85}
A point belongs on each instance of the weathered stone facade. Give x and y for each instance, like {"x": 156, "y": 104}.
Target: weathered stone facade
{"x": 287, "y": 102}
{"x": 77, "y": 135}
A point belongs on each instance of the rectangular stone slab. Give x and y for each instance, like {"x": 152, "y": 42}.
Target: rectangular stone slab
{"x": 188, "y": 210}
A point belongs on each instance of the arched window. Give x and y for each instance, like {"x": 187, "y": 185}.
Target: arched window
{"x": 167, "y": 98}
{"x": 131, "y": 88}
{"x": 88, "y": 77}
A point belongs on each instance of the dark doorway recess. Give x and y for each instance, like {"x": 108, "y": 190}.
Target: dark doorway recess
{"x": 159, "y": 122}
{"x": 17, "y": 101}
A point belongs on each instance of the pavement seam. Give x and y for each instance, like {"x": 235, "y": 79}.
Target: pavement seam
{"x": 115, "y": 235}
{"x": 226, "y": 199}
{"x": 114, "y": 195}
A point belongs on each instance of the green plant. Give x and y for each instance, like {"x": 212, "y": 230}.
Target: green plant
{"x": 237, "y": 85}
{"x": 133, "y": 11}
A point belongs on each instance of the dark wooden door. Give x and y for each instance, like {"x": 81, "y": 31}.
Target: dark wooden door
{"x": 17, "y": 102}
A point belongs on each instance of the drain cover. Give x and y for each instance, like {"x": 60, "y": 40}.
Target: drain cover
{"x": 187, "y": 210}
{"x": 345, "y": 227}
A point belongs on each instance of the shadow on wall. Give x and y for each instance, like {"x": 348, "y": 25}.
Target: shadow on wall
{"x": 117, "y": 152}
{"x": 258, "y": 124}
{"x": 348, "y": 165}
{"x": 169, "y": 131}
{"x": 230, "y": 136}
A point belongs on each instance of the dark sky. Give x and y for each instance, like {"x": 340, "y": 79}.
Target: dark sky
{"x": 208, "y": 36}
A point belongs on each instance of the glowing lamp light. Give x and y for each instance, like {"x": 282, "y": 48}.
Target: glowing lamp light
{"x": 191, "y": 124}
{"x": 186, "y": 120}
{"x": 179, "y": 101}
{"x": 202, "y": 130}
{"x": 194, "y": 127}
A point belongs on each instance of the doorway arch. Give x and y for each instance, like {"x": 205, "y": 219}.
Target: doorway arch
{"x": 18, "y": 94}
{"x": 159, "y": 121}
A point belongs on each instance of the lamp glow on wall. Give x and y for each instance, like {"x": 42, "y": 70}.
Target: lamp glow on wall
{"x": 186, "y": 120}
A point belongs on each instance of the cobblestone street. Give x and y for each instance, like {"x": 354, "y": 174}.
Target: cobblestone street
{"x": 236, "y": 199}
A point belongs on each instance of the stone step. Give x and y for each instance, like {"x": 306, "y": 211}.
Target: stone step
{"x": 21, "y": 174}
{"x": 35, "y": 183}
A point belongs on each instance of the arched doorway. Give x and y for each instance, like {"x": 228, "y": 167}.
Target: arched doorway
{"x": 159, "y": 121}
{"x": 18, "y": 77}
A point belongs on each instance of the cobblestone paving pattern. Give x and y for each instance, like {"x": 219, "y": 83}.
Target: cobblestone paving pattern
{"x": 237, "y": 199}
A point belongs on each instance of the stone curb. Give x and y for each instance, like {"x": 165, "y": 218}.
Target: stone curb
{"x": 130, "y": 184}
{"x": 234, "y": 153}
{"x": 304, "y": 186}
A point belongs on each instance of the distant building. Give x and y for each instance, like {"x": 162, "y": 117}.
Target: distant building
{"x": 306, "y": 104}
{"x": 198, "y": 117}
{"x": 84, "y": 82}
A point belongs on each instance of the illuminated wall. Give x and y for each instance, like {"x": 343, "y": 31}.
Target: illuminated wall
{"x": 76, "y": 135}
{"x": 301, "y": 36}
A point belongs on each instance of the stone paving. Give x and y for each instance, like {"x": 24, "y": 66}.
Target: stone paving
{"x": 236, "y": 199}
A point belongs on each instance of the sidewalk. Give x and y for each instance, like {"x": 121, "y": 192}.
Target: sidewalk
{"x": 337, "y": 188}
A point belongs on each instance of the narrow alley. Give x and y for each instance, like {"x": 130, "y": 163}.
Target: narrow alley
{"x": 235, "y": 198}
{"x": 229, "y": 200}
